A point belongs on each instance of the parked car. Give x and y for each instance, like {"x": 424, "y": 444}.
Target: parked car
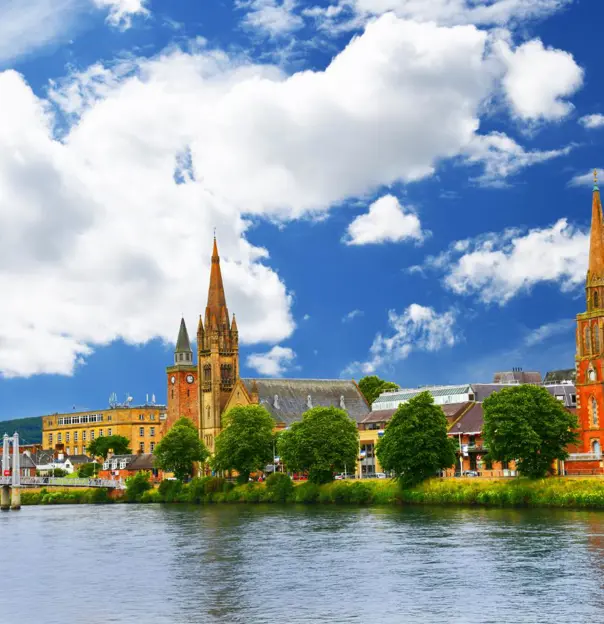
{"x": 470, "y": 473}
{"x": 380, "y": 475}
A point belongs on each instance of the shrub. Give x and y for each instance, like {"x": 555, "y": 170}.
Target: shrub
{"x": 136, "y": 486}
{"x": 280, "y": 487}
{"x": 169, "y": 490}
{"x": 307, "y": 493}
{"x": 151, "y": 496}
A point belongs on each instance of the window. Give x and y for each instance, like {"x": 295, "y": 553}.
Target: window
{"x": 100, "y": 433}
{"x": 141, "y": 446}
{"x": 207, "y": 373}
{"x": 152, "y": 431}
{"x": 472, "y": 440}
{"x": 109, "y": 431}
{"x": 172, "y": 393}
{"x": 92, "y": 434}
{"x": 84, "y": 450}
{"x": 83, "y": 436}
{"x": 188, "y": 393}
{"x": 152, "y": 446}
{"x": 596, "y": 448}
{"x": 109, "y": 418}
{"x": 141, "y": 432}
{"x": 141, "y": 417}
{"x": 68, "y": 450}
{"x": 84, "y": 419}
{"x": 67, "y": 437}
{"x": 573, "y": 399}
{"x": 75, "y": 450}
{"x": 49, "y": 439}
{"x": 596, "y": 339}
{"x": 560, "y": 397}
{"x": 593, "y": 409}
{"x": 596, "y": 300}
{"x": 59, "y": 437}
{"x": 152, "y": 416}
{"x": 587, "y": 340}
{"x": 75, "y": 436}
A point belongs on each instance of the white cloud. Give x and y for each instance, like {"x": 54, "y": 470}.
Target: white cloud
{"x": 352, "y": 315}
{"x": 418, "y": 328}
{"x": 538, "y": 80}
{"x": 107, "y": 237}
{"x": 386, "y": 221}
{"x": 272, "y": 363}
{"x": 351, "y": 14}
{"x": 273, "y": 17}
{"x": 549, "y": 330}
{"x": 497, "y": 267}
{"x": 306, "y": 317}
{"x": 122, "y": 11}
{"x": 586, "y": 179}
{"x": 501, "y": 157}
{"x": 592, "y": 121}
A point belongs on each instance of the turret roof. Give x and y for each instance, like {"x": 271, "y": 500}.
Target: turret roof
{"x": 183, "y": 345}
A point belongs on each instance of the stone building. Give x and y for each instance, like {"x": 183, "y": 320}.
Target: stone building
{"x": 205, "y": 390}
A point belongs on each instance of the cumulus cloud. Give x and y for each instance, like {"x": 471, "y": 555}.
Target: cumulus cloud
{"x": 538, "y": 80}
{"x": 418, "y": 328}
{"x": 273, "y": 17}
{"x": 274, "y": 362}
{"x": 592, "y": 121}
{"x": 586, "y": 179}
{"x": 122, "y": 11}
{"x": 498, "y": 266}
{"x": 386, "y": 221}
{"x": 352, "y": 315}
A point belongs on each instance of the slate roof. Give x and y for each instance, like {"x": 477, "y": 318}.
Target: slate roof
{"x": 26, "y": 461}
{"x": 379, "y": 416}
{"x": 78, "y": 460}
{"x": 518, "y": 376}
{"x": 568, "y": 391}
{"x": 483, "y": 390}
{"x": 139, "y": 461}
{"x": 451, "y": 410}
{"x": 43, "y": 457}
{"x": 471, "y": 422}
{"x": 292, "y": 397}
{"x": 183, "y": 345}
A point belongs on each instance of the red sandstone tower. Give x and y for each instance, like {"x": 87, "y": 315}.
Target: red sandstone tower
{"x": 590, "y": 341}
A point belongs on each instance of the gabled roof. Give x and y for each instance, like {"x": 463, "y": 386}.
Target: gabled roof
{"x": 287, "y": 399}
{"x": 470, "y": 423}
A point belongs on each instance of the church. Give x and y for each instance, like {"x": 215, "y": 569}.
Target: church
{"x": 204, "y": 390}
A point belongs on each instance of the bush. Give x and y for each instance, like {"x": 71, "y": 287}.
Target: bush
{"x": 170, "y": 490}
{"x": 151, "y": 496}
{"x": 307, "y": 493}
{"x": 280, "y": 487}
{"x": 59, "y": 472}
{"x": 86, "y": 471}
{"x": 136, "y": 486}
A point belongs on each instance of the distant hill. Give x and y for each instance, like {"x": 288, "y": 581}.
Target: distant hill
{"x": 29, "y": 429}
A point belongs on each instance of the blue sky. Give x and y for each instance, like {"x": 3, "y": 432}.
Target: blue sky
{"x": 398, "y": 187}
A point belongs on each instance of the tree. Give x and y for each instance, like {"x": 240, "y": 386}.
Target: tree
{"x": 324, "y": 442}
{"x": 86, "y": 471}
{"x": 415, "y": 444}
{"x": 246, "y": 442}
{"x": 137, "y": 485}
{"x": 527, "y": 424}
{"x": 101, "y": 446}
{"x": 372, "y": 386}
{"x": 179, "y": 449}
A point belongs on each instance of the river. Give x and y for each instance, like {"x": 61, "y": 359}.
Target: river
{"x": 237, "y": 563}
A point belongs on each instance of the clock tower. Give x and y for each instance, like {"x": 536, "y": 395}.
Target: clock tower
{"x": 182, "y": 382}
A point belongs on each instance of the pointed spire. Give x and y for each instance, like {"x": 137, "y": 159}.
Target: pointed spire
{"x": 596, "y": 242}
{"x": 234, "y": 324}
{"x": 216, "y": 307}
{"x": 183, "y": 345}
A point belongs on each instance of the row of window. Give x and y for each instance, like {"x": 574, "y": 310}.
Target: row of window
{"x": 91, "y": 418}
{"x": 141, "y": 433}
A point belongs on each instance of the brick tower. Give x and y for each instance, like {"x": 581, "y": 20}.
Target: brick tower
{"x": 218, "y": 356}
{"x": 590, "y": 339}
{"x": 182, "y": 381}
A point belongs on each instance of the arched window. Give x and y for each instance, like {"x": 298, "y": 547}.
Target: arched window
{"x": 596, "y": 448}
{"x": 594, "y": 416}
{"x": 596, "y": 300}
{"x": 596, "y": 339}
{"x": 207, "y": 372}
{"x": 587, "y": 340}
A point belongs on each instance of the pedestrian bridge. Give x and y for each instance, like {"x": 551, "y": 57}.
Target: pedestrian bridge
{"x": 63, "y": 482}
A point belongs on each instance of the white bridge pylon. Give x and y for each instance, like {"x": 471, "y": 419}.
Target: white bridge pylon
{"x": 15, "y": 474}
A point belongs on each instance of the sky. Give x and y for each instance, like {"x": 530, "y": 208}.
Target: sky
{"x": 398, "y": 187}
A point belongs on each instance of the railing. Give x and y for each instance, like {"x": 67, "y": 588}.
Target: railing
{"x": 584, "y": 457}
{"x": 63, "y": 482}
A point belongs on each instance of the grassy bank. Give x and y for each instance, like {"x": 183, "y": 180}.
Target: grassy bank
{"x": 555, "y": 492}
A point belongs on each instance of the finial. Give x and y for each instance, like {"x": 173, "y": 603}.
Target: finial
{"x": 214, "y": 233}
{"x": 595, "y": 177}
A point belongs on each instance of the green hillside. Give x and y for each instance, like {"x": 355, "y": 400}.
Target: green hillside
{"x": 29, "y": 429}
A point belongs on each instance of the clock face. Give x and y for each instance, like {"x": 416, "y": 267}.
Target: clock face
{"x": 172, "y": 379}
{"x": 190, "y": 379}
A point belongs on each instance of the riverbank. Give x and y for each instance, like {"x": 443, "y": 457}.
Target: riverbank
{"x": 582, "y": 493}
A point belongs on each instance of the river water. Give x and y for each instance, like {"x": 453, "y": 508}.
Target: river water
{"x": 177, "y": 564}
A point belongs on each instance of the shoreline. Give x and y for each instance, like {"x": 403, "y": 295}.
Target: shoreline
{"x": 554, "y": 492}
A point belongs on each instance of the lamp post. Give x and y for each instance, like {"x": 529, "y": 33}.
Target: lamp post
{"x": 460, "y": 453}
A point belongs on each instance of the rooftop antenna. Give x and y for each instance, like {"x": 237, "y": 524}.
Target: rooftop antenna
{"x": 113, "y": 400}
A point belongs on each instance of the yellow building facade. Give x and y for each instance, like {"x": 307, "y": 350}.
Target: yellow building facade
{"x": 72, "y": 433}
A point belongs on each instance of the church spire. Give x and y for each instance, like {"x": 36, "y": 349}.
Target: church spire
{"x": 216, "y": 308}
{"x": 183, "y": 351}
{"x": 596, "y": 243}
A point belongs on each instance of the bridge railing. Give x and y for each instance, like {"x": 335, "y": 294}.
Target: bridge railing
{"x": 63, "y": 482}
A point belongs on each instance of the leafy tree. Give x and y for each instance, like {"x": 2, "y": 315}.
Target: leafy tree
{"x": 246, "y": 442}
{"x": 527, "y": 424}
{"x": 86, "y": 471}
{"x": 372, "y": 386}
{"x": 415, "y": 444}
{"x": 137, "y": 485}
{"x": 59, "y": 472}
{"x": 325, "y": 441}
{"x": 101, "y": 446}
{"x": 179, "y": 449}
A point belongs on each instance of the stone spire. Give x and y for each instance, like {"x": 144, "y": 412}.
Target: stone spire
{"x": 183, "y": 352}
{"x": 216, "y": 310}
{"x": 596, "y": 243}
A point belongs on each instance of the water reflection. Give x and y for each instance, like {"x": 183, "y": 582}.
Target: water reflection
{"x": 310, "y": 564}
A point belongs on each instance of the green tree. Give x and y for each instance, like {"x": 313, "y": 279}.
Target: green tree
{"x": 101, "y": 446}
{"x": 137, "y": 485}
{"x": 179, "y": 449}
{"x": 86, "y": 471}
{"x": 372, "y": 386}
{"x": 246, "y": 442}
{"x": 527, "y": 424}
{"x": 59, "y": 472}
{"x": 325, "y": 441}
{"x": 415, "y": 445}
